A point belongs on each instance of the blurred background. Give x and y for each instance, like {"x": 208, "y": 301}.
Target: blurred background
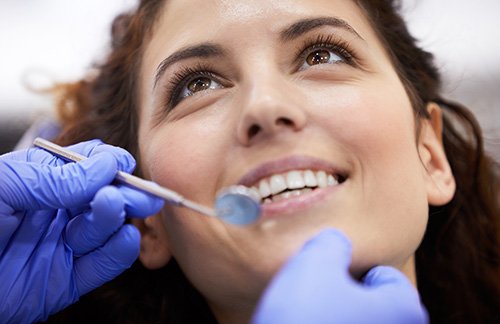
{"x": 43, "y": 41}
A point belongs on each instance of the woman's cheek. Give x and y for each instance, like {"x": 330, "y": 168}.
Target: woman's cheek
{"x": 182, "y": 157}
{"x": 379, "y": 132}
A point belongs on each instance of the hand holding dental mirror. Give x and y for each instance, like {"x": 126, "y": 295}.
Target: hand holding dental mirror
{"x": 236, "y": 205}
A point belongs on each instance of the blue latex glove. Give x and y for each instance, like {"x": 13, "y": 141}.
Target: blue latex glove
{"x": 62, "y": 229}
{"x": 315, "y": 287}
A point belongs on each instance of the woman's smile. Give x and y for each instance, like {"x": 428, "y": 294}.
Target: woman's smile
{"x": 292, "y": 184}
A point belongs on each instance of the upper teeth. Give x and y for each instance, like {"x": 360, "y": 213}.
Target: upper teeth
{"x": 296, "y": 179}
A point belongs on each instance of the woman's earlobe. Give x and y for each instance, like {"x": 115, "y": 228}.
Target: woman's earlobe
{"x": 441, "y": 184}
{"x": 155, "y": 252}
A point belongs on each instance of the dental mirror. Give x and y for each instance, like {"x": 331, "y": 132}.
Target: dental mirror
{"x": 238, "y": 205}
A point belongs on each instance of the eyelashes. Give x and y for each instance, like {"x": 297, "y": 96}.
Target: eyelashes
{"x": 313, "y": 51}
{"x": 182, "y": 78}
{"x": 337, "y": 46}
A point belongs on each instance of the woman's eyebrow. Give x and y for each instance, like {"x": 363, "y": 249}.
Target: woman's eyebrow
{"x": 305, "y": 25}
{"x": 199, "y": 50}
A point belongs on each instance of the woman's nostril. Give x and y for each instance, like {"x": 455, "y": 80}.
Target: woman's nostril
{"x": 284, "y": 121}
{"x": 253, "y": 130}
{"x": 281, "y": 121}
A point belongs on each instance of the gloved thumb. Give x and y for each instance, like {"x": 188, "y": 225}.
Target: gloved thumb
{"x": 108, "y": 261}
{"x": 31, "y": 186}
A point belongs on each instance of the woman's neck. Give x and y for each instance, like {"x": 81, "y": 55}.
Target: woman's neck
{"x": 235, "y": 312}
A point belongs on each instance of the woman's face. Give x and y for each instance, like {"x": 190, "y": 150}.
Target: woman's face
{"x": 278, "y": 95}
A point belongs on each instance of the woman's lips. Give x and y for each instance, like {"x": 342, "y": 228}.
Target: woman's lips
{"x": 299, "y": 199}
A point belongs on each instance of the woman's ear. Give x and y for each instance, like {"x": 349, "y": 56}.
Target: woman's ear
{"x": 155, "y": 252}
{"x": 439, "y": 177}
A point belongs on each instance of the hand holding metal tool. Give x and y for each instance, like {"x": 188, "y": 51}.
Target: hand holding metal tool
{"x": 62, "y": 228}
{"x": 235, "y": 204}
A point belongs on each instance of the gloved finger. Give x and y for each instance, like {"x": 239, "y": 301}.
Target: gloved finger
{"x": 126, "y": 161}
{"x": 327, "y": 255}
{"x": 329, "y": 252}
{"x": 388, "y": 277}
{"x": 397, "y": 291}
{"x": 31, "y": 186}
{"x": 323, "y": 260}
{"x": 139, "y": 203}
{"x": 33, "y": 155}
{"x": 107, "y": 262}
{"x": 88, "y": 148}
{"x": 389, "y": 281}
{"x": 92, "y": 229}
{"x": 42, "y": 156}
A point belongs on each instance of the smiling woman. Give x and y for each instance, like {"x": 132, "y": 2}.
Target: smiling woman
{"x": 331, "y": 113}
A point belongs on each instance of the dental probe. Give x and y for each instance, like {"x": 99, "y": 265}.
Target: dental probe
{"x": 235, "y": 204}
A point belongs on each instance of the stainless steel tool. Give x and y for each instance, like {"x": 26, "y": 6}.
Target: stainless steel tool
{"x": 235, "y": 204}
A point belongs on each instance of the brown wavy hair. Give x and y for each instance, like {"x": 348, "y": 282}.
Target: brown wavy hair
{"x": 458, "y": 261}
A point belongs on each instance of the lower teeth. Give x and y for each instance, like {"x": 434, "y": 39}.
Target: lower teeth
{"x": 287, "y": 194}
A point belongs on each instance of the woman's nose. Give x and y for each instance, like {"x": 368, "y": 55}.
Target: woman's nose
{"x": 268, "y": 109}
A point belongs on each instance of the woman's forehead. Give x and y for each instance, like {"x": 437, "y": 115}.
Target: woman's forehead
{"x": 199, "y": 20}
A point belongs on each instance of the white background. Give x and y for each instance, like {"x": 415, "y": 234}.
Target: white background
{"x": 42, "y": 41}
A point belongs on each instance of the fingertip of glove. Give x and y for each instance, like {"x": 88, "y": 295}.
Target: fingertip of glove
{"x": 85, "y": 148}
{"x": 100, "y": 168}
{"x": 150, "y": 206}
{"x": 384, "y": 275}
{"x": 104, "y": 159}
{"x": 129, "y": 246}
{"x": 125, "y": 160}
{"x": 110, "y": 195}
{"x": 158, "y": 204}
{"x": 390, "y": 282}
{"x": 108, "y": 202}
{"x": 140, "y": 204}
{"x": 132, "y": 233}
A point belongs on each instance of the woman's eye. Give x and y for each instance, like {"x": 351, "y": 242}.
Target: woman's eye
{"x": 321, "y": 56}
{"x": 199, "y": 84}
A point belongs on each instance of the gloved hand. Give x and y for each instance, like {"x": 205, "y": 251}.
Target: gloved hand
{"x": 316, "y": 287}
{"x": 62, "y": 229}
